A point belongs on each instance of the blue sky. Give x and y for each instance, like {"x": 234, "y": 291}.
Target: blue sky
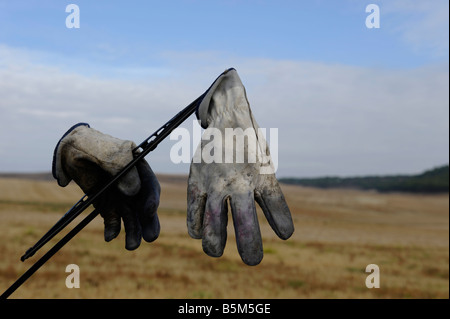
{"x": 347, "y": 100}
{"x": 117, "y": 32}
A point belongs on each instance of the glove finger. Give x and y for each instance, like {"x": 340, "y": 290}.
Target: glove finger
{"x": 112, "y": 224}
{"x": 111, "y": 218}
{"x": 196, "y": 202}
{"x": 133, "y": 233}
{"x": 150, "y": 227}
{"x": 246, "y": 226}
{"x": 271, "y": 200}
{"x": 148, "y": 200}
{"x": 215, "y": 226}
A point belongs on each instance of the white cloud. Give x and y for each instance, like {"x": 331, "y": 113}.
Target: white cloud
{"x": 332, "y": 119}
{"x": 49, "y": 114}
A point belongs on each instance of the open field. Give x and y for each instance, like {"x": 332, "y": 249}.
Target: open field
{"x": 338, "y": 233}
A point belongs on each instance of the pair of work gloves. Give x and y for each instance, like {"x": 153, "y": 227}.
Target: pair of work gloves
{"x": 91, "y": 158}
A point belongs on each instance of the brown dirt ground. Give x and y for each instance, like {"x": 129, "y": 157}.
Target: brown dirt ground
{"x": 338, "y": 233}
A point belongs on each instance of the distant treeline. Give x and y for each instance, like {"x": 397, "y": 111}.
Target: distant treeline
{"x": 432, "y": 181}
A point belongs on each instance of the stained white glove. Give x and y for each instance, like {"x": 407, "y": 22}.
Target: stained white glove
{"x": 91, "y": 159}
{"x": 216, "y": 181}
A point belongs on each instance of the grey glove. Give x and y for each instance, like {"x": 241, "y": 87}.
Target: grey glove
{"x": 214, "y": 183}
{"x": 91, "y": 159}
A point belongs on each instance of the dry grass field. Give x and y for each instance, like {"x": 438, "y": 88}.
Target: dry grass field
{"x": 338, "y": 233}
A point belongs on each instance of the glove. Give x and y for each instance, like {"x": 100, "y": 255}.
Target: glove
{"x": 216, "y": 182}
{"x": 91, "y": 159}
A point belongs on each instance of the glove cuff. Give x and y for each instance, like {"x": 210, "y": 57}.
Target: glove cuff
{"x": 203, "y": 104}
{"x": 57, "y": 171}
